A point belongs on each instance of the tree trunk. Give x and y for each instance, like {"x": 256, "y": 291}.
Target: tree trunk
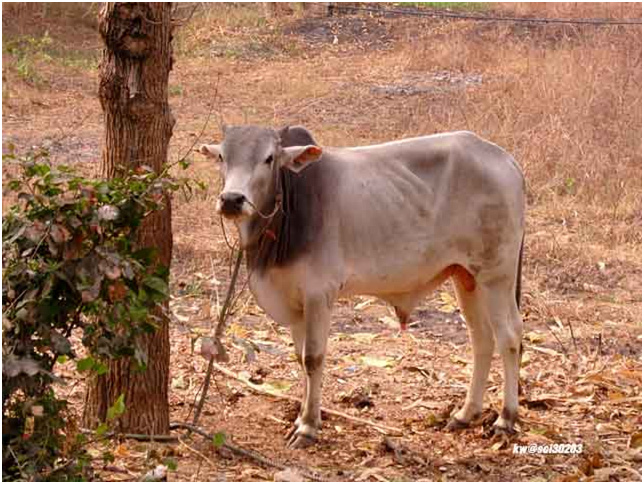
{"x": 133, "y": 90}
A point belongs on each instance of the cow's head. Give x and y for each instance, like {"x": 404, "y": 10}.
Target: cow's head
{"x": 250, "y": 158}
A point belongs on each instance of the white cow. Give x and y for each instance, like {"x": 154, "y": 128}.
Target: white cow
{"x": 393, "y": 220}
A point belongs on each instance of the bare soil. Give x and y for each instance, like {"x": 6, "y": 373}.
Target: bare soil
{"x": 359, "y": 79}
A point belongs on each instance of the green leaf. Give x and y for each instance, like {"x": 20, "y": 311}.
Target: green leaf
{"x": 100, "y": 368}
{"x": 85, "y": 364}
{"x": 146, "y": 255}
{"x": 137, "y": 313}
{"x": 117, "y": 409}
{"x": 101, "y": 429}
{"x": 108, "y": 457}
{"x": 62, "y": 359}
{"x": 170, "y": 463}
{"x": 157, "y": 284}
{"x": 219, "y": 439}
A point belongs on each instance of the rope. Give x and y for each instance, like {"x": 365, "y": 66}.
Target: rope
{"x": 465, "y": 16}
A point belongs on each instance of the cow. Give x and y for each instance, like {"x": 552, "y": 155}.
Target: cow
{"x": 392, "y": 220}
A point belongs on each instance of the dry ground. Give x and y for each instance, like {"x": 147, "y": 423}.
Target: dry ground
{"x": 565, "y": 100}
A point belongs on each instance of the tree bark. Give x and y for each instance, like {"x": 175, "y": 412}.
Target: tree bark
{"x": 133, "y": 90}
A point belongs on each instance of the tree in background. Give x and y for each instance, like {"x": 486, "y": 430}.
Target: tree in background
{"x": 133, "y": 90}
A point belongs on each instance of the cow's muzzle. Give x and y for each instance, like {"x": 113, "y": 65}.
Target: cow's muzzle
{"x": 231, "y": 204}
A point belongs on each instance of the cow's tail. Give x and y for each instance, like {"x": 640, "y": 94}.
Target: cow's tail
{"x": 517, "y": 289}
{"x": 517, "y": 295}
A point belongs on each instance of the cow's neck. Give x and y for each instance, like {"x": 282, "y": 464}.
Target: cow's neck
{"x": 263, "y": 236}
{"x": 280, "y": 239}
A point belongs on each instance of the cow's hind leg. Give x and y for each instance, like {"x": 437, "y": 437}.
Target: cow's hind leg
{"x": 507, "y": 326}
{"x": 472, "y": 305}
{"x": 317, "y": 319}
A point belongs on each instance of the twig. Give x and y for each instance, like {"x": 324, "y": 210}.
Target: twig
{"x": 599, "y": 349}
{"x": 169, "y": 166}
{"x": 182, "y": 22}
{"x": 200, "y": 454}
{"x": 225, "y": 309}
{"x": 20, "y": 466}
{"x": 221, "y": 351}
{"x": 203, "y": 129}
{"x": 565, "y": 351}
{"x": 572, "y": 335}
{"x": 142, "y": 437}
{"x": 118, "y": 470}
{"x": 385, "y": 429}
{"x": 251, "y": 454}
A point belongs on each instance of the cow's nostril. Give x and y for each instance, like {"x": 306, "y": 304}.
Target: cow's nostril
{"x": 231, "y": 201}
{"x": 232, "y": 197}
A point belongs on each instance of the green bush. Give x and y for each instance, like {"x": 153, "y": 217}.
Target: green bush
{"x": 71, "y": 265}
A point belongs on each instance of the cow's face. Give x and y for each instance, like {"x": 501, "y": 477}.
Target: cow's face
{"x": 250, "y": 159}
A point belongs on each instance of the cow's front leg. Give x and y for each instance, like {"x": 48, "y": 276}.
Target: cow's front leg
{"x": 317, "y": 319}
{"x": 298, "y": 332}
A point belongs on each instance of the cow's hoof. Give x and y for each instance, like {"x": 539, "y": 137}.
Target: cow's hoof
{"x": 503, "y": 431}
{"x": 300, "y": 441}
{"x": 455, "y": 425}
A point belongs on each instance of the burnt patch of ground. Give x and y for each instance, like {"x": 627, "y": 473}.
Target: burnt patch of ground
{"x": 365, "y": 32}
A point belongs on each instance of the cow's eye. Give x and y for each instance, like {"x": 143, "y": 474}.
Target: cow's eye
{"x": 269, "y": 160}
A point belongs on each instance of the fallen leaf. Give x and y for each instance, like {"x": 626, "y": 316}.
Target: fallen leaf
{"x": 205, "y": 310}
{"x": 449, "y": 303}
{"x": 540, "y": 349}
{"x": 458, "y": 359}
{"x": 178, "y": 382}
{"x": 288, "y": 475}
{"x": 635, "y": 440}
{"x": 276, "y": 386}
{"x": 389, "y": 321}
{"x": 181, "y": 318}
{"x": 121, "y": 451}
{"x": 534, "y": 337}
{"x": 364, "y": 337}
{"x": 361, "y": 305}
{"x": 377, "y": 361}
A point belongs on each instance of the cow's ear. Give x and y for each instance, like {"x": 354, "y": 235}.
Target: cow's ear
{"x": 296, "y": 158}
{"x": 211, "y": 151}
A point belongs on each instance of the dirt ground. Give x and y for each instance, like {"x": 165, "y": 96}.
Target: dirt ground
{"x": 565, "y": 100}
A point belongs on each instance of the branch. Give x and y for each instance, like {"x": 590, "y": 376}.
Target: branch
{"x": 384, "y": 429}
{"x": 182, "y": 22}
{"x": 220, "y": 354}
{"x": 251, "y": 454}
{"x": 141, "y": 437}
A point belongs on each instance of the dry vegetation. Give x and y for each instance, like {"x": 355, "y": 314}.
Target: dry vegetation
{"x": 565, "y": 100}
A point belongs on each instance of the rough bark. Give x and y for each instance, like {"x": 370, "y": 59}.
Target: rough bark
{"x": 133, "y": 90}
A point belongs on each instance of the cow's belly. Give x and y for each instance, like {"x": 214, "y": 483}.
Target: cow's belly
{"x": 392, "y": 274}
